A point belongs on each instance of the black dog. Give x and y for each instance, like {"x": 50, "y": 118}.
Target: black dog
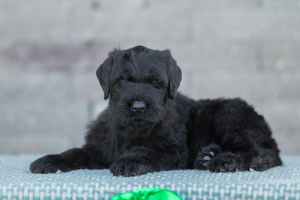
{"x": 148, "y": 128}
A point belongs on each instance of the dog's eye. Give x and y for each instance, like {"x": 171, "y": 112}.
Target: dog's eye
{"x": 124, "y": 80}
{"x": 154, "y": 82}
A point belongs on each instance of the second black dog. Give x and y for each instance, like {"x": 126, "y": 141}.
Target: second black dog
{"x": 148, "y": 128}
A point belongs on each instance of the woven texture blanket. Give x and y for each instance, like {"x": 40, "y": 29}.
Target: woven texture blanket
{"x": 17, "y": 182}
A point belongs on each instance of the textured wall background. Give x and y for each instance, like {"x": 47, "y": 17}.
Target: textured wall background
{"x": 50, "y": 50}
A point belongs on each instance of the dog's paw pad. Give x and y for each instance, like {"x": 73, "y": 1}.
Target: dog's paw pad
{"x": 206, "y": 164}
{"x": 205, "y": 155}
{"x": 206, "y": 158}
{"x": 203, "y": 159}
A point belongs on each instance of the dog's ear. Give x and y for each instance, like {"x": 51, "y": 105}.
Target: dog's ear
{"x": 103, "y": 75}
{"x": 174, "y": 73}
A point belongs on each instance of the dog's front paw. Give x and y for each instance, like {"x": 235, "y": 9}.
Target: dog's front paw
{"x": 130, "y": 167}
{"x": 48, "y": 164}
{"x": 228, "y": 162}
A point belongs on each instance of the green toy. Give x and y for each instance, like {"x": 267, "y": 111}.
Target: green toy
{"x": 147, "y": 194}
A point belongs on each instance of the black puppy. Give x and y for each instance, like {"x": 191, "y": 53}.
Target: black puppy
{"x": 148, "y": 128}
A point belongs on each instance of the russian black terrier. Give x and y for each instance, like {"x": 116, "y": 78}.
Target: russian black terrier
{"x": 149, "y": 127}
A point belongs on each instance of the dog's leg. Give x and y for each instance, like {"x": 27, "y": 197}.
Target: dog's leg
{"x": 211, "y": 158}
{"x": 234, "y": 153}
{"x": 69, "y": 160}
{"x": 142, "y": 160}
{"x": 237, "y": 152}
{"x": 240, "y": 156}
{"x": 244, "y": 161}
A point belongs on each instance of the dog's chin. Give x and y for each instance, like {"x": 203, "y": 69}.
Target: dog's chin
{"x": 138, "y": 122}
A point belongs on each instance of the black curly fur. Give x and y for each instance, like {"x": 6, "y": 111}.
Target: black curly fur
{"x": 171, "y": 132}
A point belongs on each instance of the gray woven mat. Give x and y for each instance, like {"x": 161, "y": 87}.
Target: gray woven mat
{"x": 16, "y": 182}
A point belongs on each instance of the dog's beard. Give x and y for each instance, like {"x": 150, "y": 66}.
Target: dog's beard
{"x": 153, "y": 114}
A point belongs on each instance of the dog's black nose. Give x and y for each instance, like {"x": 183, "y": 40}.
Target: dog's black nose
{"x": 138, "y": 106}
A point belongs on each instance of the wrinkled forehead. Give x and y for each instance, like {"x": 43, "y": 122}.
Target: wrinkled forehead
{"x": 143, "y": 66}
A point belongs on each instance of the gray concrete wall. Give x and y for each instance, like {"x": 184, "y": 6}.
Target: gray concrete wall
{"x": 50, "y": 50}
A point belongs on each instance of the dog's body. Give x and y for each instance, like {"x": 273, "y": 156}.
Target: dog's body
{"x": 147, "y": 127}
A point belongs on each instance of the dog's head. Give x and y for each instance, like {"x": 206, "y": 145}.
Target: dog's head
{"x": 139, "y": 82}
